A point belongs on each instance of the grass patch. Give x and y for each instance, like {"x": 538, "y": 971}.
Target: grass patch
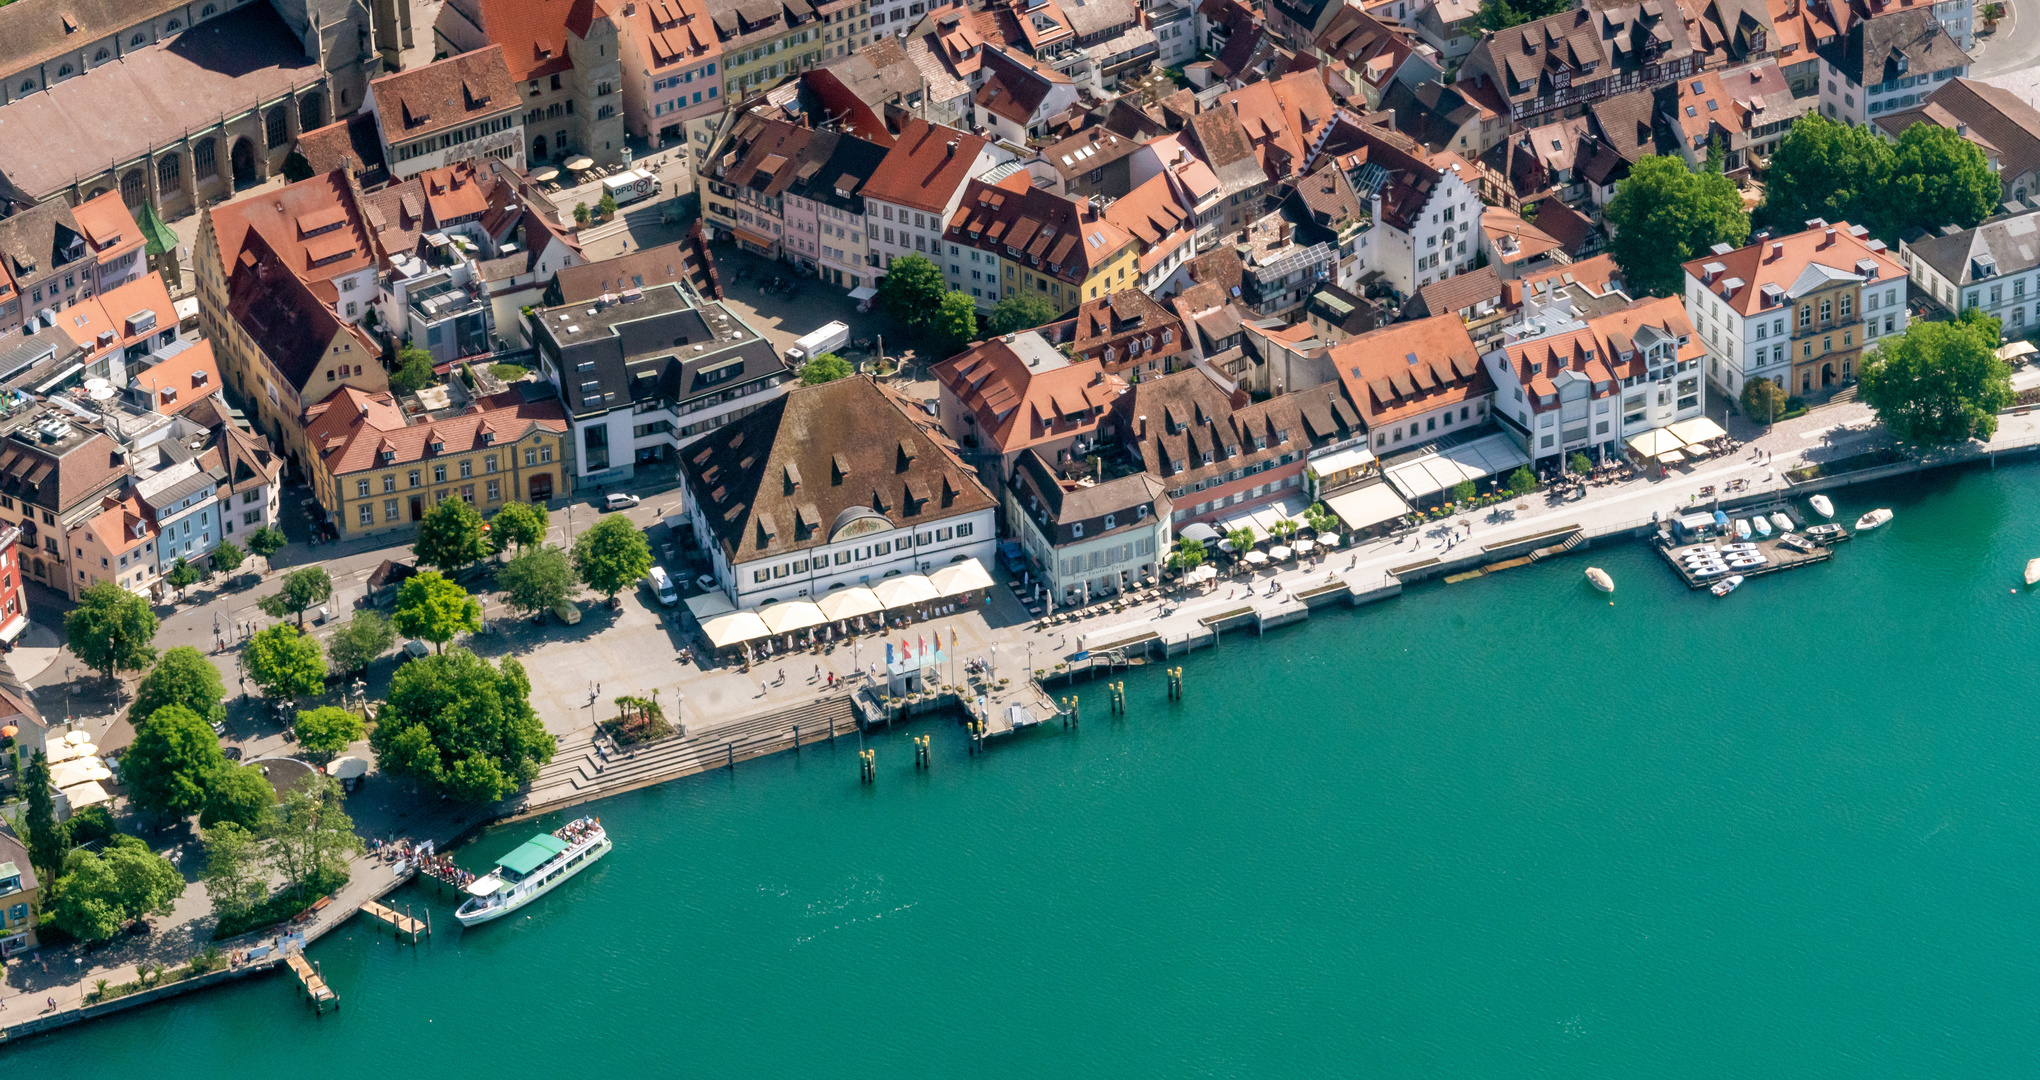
{"x": 150, "y": 977}
{"x": 287, "y": 904}
{"x": 1856, "y": 463}
{"x": 508, "y": 372}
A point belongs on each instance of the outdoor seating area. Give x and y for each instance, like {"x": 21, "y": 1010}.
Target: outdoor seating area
{"x": 841, "y": 614}
{"x": 1686, "y": 441}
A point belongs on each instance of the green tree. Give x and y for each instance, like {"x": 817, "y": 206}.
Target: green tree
{"x": 111, "y": 630}
{"x": 1021, "y": 311}
{"x": 1463, "y": 492}
{"x": 239, "y": 795}
{"x": 1320, "y": 519}
{"x": 305, "y": 587}
{"x": 539, "y": 579}
{"x": 175, "y": 752}
{"x": 233, "y": 875}
{"x": 955, "y": 323}
{"x": 912, "y": 291}
{"x": 311, "y": 834}
{"x": 326, "y": 730}
{"x": 182, "y": 576}
{"x": 451, "y": 536}
{"x": 581, "y": 215}
{"x": 1188, "y": 554}
{"x": 1500, "y": 15}
{"x": 356, "y": 645}
{"x": 432, "y": 608}
{"x": 414, "y": 370}
{"x": 827, "y": 367}
{"x": 1938, "y": 177}
{"x": 1523, "y": 481}
{"x": 267, "y": 541}
{"x": 1937, "y": 384}
{"x": 183, "y": 677}
{"x": 607, "y": 206}
{"x": 612, "y": 555}
{"x": 46, "y": 838}
{"x": 519, "y": 523}
{"x": 461, "y": 726}
{"x": 1665, "y": 214}
{"x": 1240, "y": 541}
{"x": 1823, "y": 169}
{"x": 1579, "y": 463}
{"x": 101, "y": 891}
{"x": 226, "y": 558}
{"x": 1762, "y": 400}
{"x": 284, "y": 662}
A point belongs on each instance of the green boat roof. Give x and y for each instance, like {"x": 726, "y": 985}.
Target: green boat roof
{"x": 533, "y": 852}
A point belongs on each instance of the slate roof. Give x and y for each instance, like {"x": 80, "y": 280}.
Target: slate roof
{"x": 2007, "y": 245}
{"x": 1057, "y": 509}
{"x": 1868, "y": 53}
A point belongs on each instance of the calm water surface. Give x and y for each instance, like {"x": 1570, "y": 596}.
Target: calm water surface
{"x": 1496, "y": 829}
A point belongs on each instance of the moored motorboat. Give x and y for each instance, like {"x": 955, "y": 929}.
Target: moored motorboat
{"x": 1824, "y": 532}
{"x": 1726, "y": 585}
{"x": 1780, "y": 521}
{"x": 1822, "y": 506}
{"x": 1742, "y": 528}
{"x": 1762, "y": 524}
{"x": 1873, "y": 519}
{"x": 2033, "y": 571}
{"x": 1599, "y": 579}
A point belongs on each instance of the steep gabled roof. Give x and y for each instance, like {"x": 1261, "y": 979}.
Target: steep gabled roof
{"x": 1411, "y": 367}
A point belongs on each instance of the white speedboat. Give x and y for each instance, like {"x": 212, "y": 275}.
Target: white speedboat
{"x": 1742, "y": 528}
{"x": 1822, "y": 506}
{"x": 534, "y": 868}
{"x": 1746, "y": 564}
{"x": 1873, "y": 519}
{"x": 1709, "y": 571}
{"x": 1783, "y": 523}
{"x": 1599, "y": 579}
{"x": 2032, "y": 571}
{"x": 1726, "y": 585}
{"x": 1824, "y": 532}
{"x": 1762, "y": 524}
{"x": 1733, "y": 548}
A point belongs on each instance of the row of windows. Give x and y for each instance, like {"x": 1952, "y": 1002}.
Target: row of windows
{"x": 876, "y": 549}
{"x": 455, "y": 138}
{"x": 532, "y": 456}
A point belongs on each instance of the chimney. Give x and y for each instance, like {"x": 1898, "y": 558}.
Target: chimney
{"x": 1777, "y": 250}
{"x": 1828, "y": 237}
{"x": 1143, "y": 426}
{"x": 952, "y": 148}
{"x": 1283, "y": 235}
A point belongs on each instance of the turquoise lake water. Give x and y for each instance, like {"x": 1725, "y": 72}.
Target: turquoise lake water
{"x": 1494, "y": 829}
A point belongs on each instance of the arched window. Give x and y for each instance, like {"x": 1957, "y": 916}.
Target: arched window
{"x": 132, "y": 187}
{"x": 311, "y": 112}
{"x": 172, "y": 26}
{"x": 136, "y": 41}
{"x": 64, "y": 72}
{"x": 28, "y": 86}
{"x": 208, "y": 12}
{"x": 100, "y": 56}
{"x": 276, "y": 127}
{"x": 204, "y": 160}
{"x": 167, "y": 170}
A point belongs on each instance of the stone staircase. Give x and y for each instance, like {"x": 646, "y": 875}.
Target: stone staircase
{"x": 581, "y": 772}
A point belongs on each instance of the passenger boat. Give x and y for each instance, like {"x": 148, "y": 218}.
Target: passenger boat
{"x": 534, "y": 868}
{"x": 1726, "y": 585}
{"x": 1762, "y": 524}
{"x": 1599, "y": 579}
{"x": 1783, "y": 523}
{"x": 1822, "y": 506}
{"x": 1873, "y": 519}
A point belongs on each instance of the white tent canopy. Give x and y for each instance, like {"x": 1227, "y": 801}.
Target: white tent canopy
{"x": 1697, "y": 429}
{"x": 735, "y": 628}
{"x": 787, "y": 616}
{"x": 1369, "y": 505}
{"x": 1433, "y": 473}
{"x": 905, "y": 589}
{"x": 347, "y": 768}
{"x": 959, "y": 578}
{"x": 86, "y": 794}
{"x": 708, "y": 605}
{"x": 840, "y": 604}
{"x": 1656, "y": 442}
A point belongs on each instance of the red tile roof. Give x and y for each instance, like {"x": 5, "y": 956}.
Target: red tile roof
{"x": 287, "y": 220}
{"x": 1781, "y": 260}
{"x": 921, "y": 171}
{"x": 183, "y": 380}
{"x": 1410, "y": 368}
{"x": 355, "y": 429}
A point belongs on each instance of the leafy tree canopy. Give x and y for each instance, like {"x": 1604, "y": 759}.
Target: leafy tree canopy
{"x": 955, "y": 324}
{"x": 612, "y": 555}
{"x": 310, "y": 833}
{"x": 226, "y": 558}
{"x": 520, "y": 524}
{"x": 1021, "y": 311}
{"x": 539, "y": 579}
{"x": 912, "y": 291}
{"x": 1824, "y": 169}
{"x": 1188, "y": 554}
{"x": 1500, "y": 14}
{"x": 1938, "y": 177}
{"x": 267, "y": 541}
{"x": 174, "y": 753}
{"x": 111, "y": 630}
{"x": 305, "y": 587}
{"x": 182, "y": 575}
{"x": 432, "y": 608}
{"x": 451, "y": 536}
{"x": 237, "y": 794}
{"x": 326, "y": 730}
{"x": 1937, "y": 384}
{"x": 45, "y": 835}
{"x": 183, "y": 677}
{"x": 462, "y": 726}
{"x": 1762, "y": 400}
{"x": 101, "y": 891}
{"x": 414, "y": 370}
{"x": 825, "y": 368}
{"x": 284, "y": 662}
{"x": 356, "y": 645}
{"x": 1665, "y": 214}
{"x": 233, "y": 878}
{"x": 1523, "y": 481}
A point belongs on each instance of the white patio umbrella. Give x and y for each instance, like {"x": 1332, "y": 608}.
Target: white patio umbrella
{"x": 903, "y": 590}
{"x": 1304, "y": 544}
{"x": 1280, "y": 552}
{"x": 1257, "y": 558}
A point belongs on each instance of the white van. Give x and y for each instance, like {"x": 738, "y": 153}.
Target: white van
{"x": 661, "y": 584}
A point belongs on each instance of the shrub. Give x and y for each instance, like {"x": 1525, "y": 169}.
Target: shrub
{"x": 284, "y": 905}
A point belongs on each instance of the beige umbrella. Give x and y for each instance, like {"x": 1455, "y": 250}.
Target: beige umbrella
{"x": 735, "y": 628}
{"x": 580, "y": 163}
{"x": 906, "y": 589}
{"x": 959, "y": 578}
{"x": 789, "y": 615}
{"x": 840, "y": 604}
{"x": 77, "y": 738}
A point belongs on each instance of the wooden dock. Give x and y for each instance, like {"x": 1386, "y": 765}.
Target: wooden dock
{"x": 1777, "y": 558}
{"x": 314, "y": 984}
{"x": 401, "y": 924}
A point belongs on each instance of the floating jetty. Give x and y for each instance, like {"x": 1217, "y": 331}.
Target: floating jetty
{"x": 313, "y": 983}
{"x": 401, "y": 924}
{"x": 1777, "y": 557}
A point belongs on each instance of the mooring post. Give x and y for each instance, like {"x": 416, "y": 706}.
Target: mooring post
{"x": 796, "y": 737}
{"x": 730, "y": 756}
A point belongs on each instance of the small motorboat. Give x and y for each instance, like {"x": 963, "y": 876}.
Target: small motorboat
{"x": 1710, "y": 571}
{"x": 1726, "y": 585}
{"x": 1873, "y": 519}
{"x": 1783, "y": 523}
{"x": 1822, "y": 506}
{"x": 1742, "y": 528}
{"x": 1763, "y": 526}
{"x": 1733, "y": 548}
{"x": 1797, "y": 543}
{"x": 2033, "y": 571}
{"x": 1599, "y": 579}
{"x": 1824, "y": 532}
{"x": 1745, "y": 564}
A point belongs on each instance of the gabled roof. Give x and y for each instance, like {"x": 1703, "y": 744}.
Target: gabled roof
{"x": 1411, "y": 367}
{"x": 925, "y": 167}
{"x": 1791, "y": 265}
{"x": 281, "y": 315}
{"x": 1057, "y": 507}
{"x": 1870, "y": 51}
{"x": 352, "y": 145}
{"x": 1996, "y": 248}
{"x": 1173, "y": 421}
{"x": 1024, "y": 392}
{"x": 1088, "y": 17}
{"x": 1512, "y": 239}
{"x": 533, "y": 33}
{"x": 644, "y": 268}
{"x": 354, "y": 430}
{"x": 1060, "y": 237}
{"x": 1997, "y": 116}
{"x": 1125, "y": 328}
{"x": 1091, "y": 148}
{"x": 1227, "y": 150}
{"x": 1152, "y": 215}
{"x": 1610, "y": 348}
{"x": 786, "y": 477}
{"x": 443, "y": 95}
{"x": 313, "y": 226}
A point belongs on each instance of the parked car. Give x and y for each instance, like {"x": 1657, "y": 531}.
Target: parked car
{"x": 620, "y": 501}
{"x": 415, "y": 649}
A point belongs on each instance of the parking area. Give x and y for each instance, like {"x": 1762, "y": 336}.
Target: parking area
{"x": 783, "y": 316}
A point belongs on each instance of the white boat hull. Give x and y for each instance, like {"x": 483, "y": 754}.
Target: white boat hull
{"x": 1873, "y": 519}
{"x": 549, "y": 883}
{"x": 1822, "y": 506}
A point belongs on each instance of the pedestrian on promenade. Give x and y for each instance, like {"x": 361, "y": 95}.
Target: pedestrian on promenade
{"x": 818, "y": 671}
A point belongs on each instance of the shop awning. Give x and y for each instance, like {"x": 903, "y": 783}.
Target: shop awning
{"x": 708, "y": 605}
{"x": 1199, "y": 532}
{"x": 849, "y": 603}
{"x": 1655, "y": 442}
{"x": 863, "y": 293}
{"x": 1672, "y": 457}
{"x": 735, "y": 628}
{"x": 959, "y": 578}
{"x": 787, "y": 616}
{"x": 1338, "y": 461}
{"x": 903, "y": 590}
{"x": 749, "y": 237}
{"x": 1368, "y": 505}
{"x": 1433, "y": 473}
{"x": 1698, "y": 429}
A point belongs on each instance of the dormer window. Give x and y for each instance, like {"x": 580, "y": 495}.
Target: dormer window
{"x": 1077, "y": 529}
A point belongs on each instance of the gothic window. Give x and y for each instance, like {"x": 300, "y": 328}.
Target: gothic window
{"x": 167, "y": 170}
{"x": 207, "y": 13}
{"x": 202, "y": 160}
{"x": 132, "y": 187}
{"x": 274, "y": 127}
{"x": 136, "y": 41}
{"x": 28, "y": 86}
{"x": 101, "y": 56}
{"x": 311, "y": 112}
{"x": 64, "y": 72}
{"x": 172, "y": 26}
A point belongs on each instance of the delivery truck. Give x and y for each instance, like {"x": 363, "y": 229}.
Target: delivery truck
{"x": 631, "y": 185}
{"x": 829, "y": 337}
